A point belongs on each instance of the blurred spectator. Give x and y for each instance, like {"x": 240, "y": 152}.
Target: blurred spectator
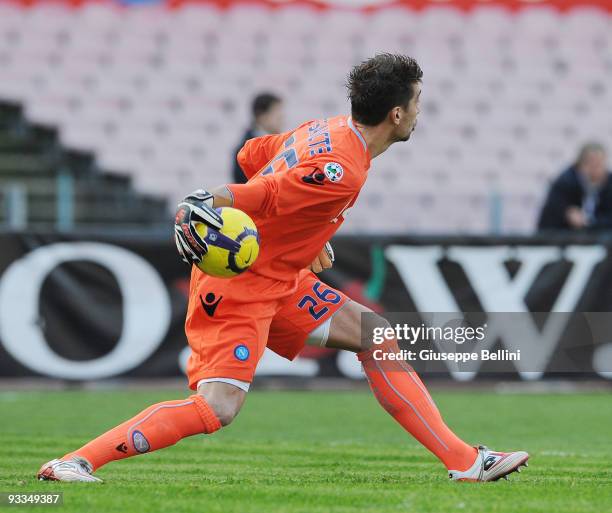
{"x": 581, "y": 197}
{"x": 267, "y": 111}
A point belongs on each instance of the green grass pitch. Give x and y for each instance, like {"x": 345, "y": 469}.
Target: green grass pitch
{"x": 317, "y": 452}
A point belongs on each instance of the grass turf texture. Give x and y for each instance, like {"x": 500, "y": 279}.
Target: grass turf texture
{"x": 317, "y": 452}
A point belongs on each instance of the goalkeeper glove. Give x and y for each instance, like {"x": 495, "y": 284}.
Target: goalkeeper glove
{"x": 197, "y": 207}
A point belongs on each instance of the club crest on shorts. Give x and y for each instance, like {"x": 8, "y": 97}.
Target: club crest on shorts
{"x": 140, "y": 443}
{"x": 333, "y": 171}
{"x": 241, "y": 352}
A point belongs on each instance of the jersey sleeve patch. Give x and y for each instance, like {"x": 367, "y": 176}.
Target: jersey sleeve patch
{"x": 333, "y": 171}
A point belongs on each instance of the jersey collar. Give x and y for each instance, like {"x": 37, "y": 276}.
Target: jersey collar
{"x": 357, "y": 133}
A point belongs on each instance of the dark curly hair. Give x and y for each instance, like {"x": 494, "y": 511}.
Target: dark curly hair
{"x": 377, "y": 85}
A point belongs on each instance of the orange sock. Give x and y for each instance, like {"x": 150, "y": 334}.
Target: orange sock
{"x": 159, "y": 426}
{"x": 399, "y": 390}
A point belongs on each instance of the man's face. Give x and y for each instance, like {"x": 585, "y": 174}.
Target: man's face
{"x": 409, "y": 115}
{"x": 593, "y": 167}
{"x": 273, "y": 120}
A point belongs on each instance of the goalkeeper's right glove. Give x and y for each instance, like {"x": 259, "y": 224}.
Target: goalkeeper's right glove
{"x": 197, "y": 207}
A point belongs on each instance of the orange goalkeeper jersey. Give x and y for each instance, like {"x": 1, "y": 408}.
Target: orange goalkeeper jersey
{"x": 300, "y": 185}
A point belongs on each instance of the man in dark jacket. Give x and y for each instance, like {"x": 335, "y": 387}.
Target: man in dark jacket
{"x": 267, "y": 119}
{"x": 581, "y": 197}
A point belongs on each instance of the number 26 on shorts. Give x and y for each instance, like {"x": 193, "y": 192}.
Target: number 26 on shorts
{"x": 316, "y": 305}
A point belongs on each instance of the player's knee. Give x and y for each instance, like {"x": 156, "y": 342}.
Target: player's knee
{"x": 224, "y": 400}
{"x": 373, "y": 326}
{"x": 226, "y": 413}
{"x": 376, "y": 321}
{"x": 353, "y": 328}
{"x": 345, "y": 329}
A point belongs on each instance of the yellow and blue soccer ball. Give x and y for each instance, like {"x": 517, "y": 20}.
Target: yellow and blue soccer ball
{"x": 224, "y": 263}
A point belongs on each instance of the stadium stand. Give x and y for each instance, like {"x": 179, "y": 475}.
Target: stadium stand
{"x": 162, "y": 94}
{"x": 32, "y": 159}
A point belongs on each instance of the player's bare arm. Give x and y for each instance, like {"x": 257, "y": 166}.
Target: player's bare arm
{"x": 222, "y": 196}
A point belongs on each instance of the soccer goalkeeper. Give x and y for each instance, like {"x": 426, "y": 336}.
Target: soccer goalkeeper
{"x": 301, "y": 184}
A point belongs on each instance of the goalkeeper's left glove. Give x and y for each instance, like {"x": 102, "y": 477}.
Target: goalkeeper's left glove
{"x": 197, "y": 207}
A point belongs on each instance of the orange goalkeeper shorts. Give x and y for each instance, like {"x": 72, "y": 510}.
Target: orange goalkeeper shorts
{"x": 230, "y": 322}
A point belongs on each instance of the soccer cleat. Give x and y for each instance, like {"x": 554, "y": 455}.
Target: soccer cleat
{"x": 73, "y": 469}
{"x": 491, "y": 466}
